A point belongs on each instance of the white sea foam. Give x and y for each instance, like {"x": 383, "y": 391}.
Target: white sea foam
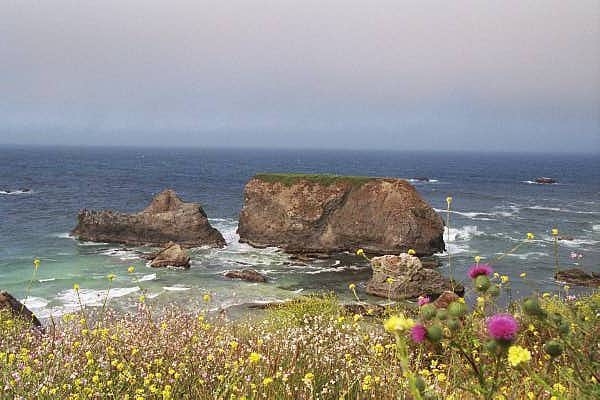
{"x": 123, "y": 254}
{"x": 562, "y": 210}
{"x": 596, "y": 227}
{"x": 63, "y": 235}
{"x": 175, "y": 288}
{"x": 464, "y": 233}
{"x": 15, "y": 192}
{"x": 35, "y": 302}
{"x": 46, "y": 280}
{"x": 525, "y": 256}
{"x": 149, "y": 277}
{"x": 91, "y": 297}
{"x": 480, "y": 215}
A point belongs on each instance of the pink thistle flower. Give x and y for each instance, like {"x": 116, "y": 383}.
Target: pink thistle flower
{"x": 418, "y": 333}
{"x": 502, "y": 327}
{"x": 480, "y": 269}
{"x": 422, "y": 300}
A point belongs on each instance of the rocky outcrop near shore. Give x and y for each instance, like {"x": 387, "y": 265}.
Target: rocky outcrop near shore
{"x": 9, "y": 303}
{"x": 172, "y": 255}
{"x": 329, "y": 214}
{"x": 579, "y": 277}
{"x": 247, "y": 274}
{"x": 166, "y": 219}
{"x": 404, "y": 277}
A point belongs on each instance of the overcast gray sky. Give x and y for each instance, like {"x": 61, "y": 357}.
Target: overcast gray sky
{"x": 475, "y": 75}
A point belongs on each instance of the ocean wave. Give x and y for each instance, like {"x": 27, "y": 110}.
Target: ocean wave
{"x": 480, "y": 215}
{"x": 15, "y": 192}
{"x": 176, "y": 288}
{"x": 423, "y": 181}
{"x": 46, "y": 280}
{"x": 35, "y": 302}
{"x": 464, "y": 233}
{"x": 123, "y": 254}
{"x": 91, "y": 297}
{"x": 596, "y": 227}
{"x": 149, "y": 277}
{"x": 562, "y": 210}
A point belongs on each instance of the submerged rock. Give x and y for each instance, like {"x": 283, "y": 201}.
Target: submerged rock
{"x": 246, "y": 274}
{"x": 330, "y": 214}
{"x": 173, "y": 255}
{"x": 166, "y": 219}
{"x": 577, "y": 276}
{"x": 17, "y": 309}
{"x": 545, "y": 180}
{"x": 404, "y": 277}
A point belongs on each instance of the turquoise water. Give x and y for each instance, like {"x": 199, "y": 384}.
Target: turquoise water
{"x": 495, "y": 204}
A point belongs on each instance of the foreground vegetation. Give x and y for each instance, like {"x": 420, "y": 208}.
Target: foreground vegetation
{"x": 542, "y": 348}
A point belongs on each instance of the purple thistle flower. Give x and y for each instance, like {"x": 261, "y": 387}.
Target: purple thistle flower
{"x": 480, "y": 269}
{"x": 422, "y": 300}
{"x": 502, "y": 327}
{"x": 418, "y": 333}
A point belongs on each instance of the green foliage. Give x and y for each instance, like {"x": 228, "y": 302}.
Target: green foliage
{"x": 321, "y": 179}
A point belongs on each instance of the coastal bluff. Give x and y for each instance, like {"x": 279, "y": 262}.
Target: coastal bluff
{"x": 329, "y": 214}
{"x": 166, "y": 219}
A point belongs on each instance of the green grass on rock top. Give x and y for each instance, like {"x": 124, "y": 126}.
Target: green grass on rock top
{"x": 323, "y": 179}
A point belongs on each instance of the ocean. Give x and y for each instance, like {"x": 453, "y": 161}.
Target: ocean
{"x": 495, "y": 203}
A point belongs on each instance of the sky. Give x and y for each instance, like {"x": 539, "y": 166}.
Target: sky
{"x": 402, "y": 75}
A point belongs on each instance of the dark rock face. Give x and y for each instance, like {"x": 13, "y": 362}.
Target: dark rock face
{"x": 246, "y": 274}
{"x": 312, "y": 214}
{"x": 577, "y": 276}
{"x": 404, "y": 277}
{"x": 173, "y": 255}
{"x": 166, "y": 219}
{"x": 18, "y": 309}
{"x": 545, "y": 180}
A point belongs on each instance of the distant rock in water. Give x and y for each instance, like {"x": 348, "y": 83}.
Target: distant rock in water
{"x": 545, "y": 180}
{"x": 166, "y": 219}
{"x": 330, "y": 214}
{"x": 246, "y": 274}
{"x": 404, "y": 277}
{"x": 577, "y": 276}
{"x": 18, "y": 309}
{"x": 173, "y": 255}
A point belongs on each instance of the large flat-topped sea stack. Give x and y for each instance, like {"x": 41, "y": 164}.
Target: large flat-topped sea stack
{"x": 166, "y": 219}
{"x": 327, "y": 213}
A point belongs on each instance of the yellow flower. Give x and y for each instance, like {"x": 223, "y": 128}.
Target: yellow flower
{"x": 398, "y": 324}
{"x": 233, "y": 344}
{"x": 254, "y": 357}
{"x": 559, "y": 388}
{"x": 360, "y": 252}
{"x": 267, "y": 381}
{"x": 554, "y": 232}
{"x": 523, "y": 275}
{"x": 389, "y": 280}
{"x": 530, "y": 236}
{"x": 76, "y": 287}
{"x": 111, "y": 277}
{"x": 131, "y": 269}
{"x": 206, "y": 297}
{"x": 477, "y": 259}
{"x": 411, "y": 252}
{"x": 308, "y": 378}
{"x": 36, "y": 263}
{"x": 449, "y": 200}
{"x": 518, "y": 355}
{"x": 504, "y": 279}
{"x": 352, "y": 286}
